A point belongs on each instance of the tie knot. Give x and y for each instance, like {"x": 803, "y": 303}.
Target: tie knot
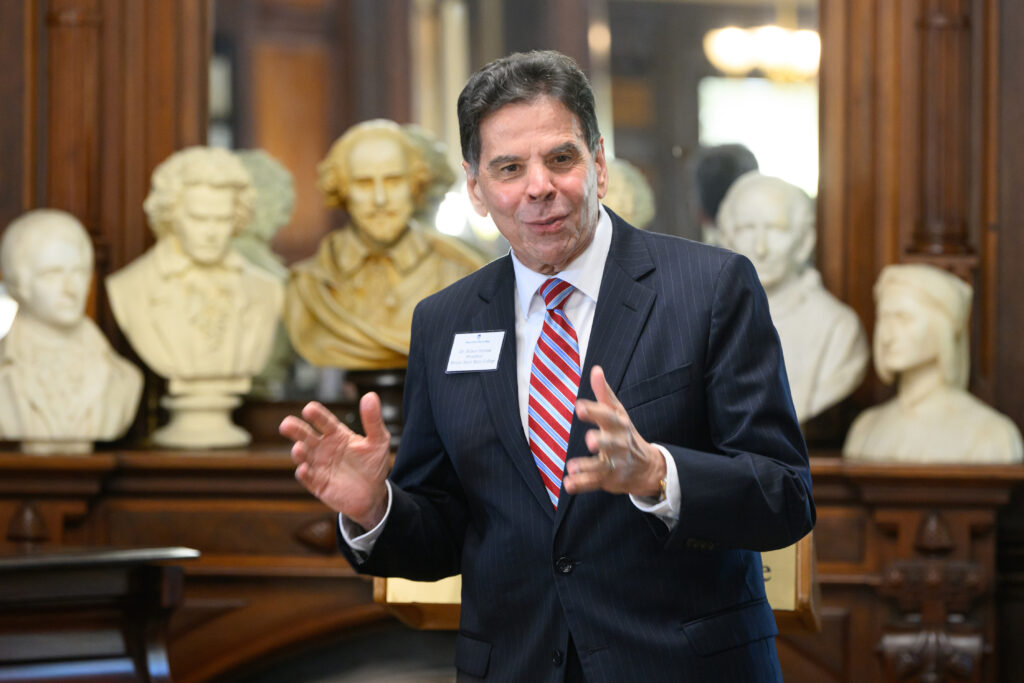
{"x": 555, "y": 292}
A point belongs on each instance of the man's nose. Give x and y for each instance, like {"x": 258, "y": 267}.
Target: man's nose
{"x": 539, "y": 185}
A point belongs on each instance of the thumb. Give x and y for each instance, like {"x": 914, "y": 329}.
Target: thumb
{"x": 373, "y": 421}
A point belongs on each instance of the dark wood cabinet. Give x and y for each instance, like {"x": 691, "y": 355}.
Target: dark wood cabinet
{"x": 910, "y": 561}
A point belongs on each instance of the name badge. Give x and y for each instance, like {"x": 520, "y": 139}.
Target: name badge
{"x": 475, "y": 351}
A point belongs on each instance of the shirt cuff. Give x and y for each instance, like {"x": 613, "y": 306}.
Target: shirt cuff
{"x": 358, "y": 539}
{"x": 666, "y": 510}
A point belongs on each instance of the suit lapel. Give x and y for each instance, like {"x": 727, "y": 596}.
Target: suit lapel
{"x": 623, "y": 306}
{"x": 500, "y": 387}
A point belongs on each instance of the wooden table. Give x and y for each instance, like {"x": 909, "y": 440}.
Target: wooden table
{"x": 88, "y": 615}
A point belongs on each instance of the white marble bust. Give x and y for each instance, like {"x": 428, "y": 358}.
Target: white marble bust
{"x": 62, "y": 386}
{"x": 824, "y": 345}
{"x": 194, "y": 309}
{"x": 921, "y": 343}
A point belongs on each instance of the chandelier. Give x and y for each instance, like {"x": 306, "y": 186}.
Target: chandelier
{"x": 782, "y": 54}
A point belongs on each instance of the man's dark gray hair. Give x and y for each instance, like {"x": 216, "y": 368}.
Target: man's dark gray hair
{"x": 523, "y": 77}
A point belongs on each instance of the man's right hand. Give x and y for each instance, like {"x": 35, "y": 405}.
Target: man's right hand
{"x": 343, "y": 469}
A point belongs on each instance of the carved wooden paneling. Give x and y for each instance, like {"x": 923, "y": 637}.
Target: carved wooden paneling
{"x": 908, "y": 99}
{"x": 17, "y": 151}
{"x": 1009, "y": 315}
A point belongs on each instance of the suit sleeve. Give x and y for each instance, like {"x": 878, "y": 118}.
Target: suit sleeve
{"x": 755, "y": 492}
{"x": 422, "y": 538}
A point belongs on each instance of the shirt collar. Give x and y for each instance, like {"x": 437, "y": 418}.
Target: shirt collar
{"x": 350, "y": 251}
{"x": 584, "y": 272}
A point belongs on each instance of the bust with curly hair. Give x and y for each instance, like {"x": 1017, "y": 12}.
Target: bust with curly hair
{"x": 196, "y": 311}
{"x": 350, "y": 305}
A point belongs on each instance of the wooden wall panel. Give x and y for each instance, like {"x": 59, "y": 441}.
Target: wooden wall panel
{"x": 1009, "y": 360}
{"x": 295, "y": 130}
{"x": 907, "y": 99}
{"x": 17, "y": 31}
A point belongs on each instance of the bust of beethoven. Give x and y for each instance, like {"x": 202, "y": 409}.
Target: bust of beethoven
{"x": 193, "y": 308}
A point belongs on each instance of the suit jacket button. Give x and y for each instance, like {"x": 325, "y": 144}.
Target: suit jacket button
{"x": 564, "y": 565}
{"x": 556, "y": 657}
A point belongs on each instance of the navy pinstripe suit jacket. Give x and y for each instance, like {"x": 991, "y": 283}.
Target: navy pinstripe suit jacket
{"x": 683, "y": 333}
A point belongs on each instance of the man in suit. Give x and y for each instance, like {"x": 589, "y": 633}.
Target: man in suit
{"x": 682, "y": 459}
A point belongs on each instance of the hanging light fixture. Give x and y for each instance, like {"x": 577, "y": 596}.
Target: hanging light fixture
{"x": 781, "y": 53}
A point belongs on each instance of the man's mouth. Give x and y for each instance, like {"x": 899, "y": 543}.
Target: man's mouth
{"x": 542, "y": 223}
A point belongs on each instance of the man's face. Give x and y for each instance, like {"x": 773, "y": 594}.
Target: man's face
{"x": 906, "y": 334}
{"x": 539, "y": 182}
{"x": 56, "y": 283}
{"x": 205, "y": 222}
{"x": 758, "y": 226}
{"x": 380, "y": 199}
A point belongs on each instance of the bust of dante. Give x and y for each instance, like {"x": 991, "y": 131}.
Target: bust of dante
{"x": 350, "y": 305}
{"x": 921, "y": 343}
{"x": 194, "y": 309}
{"x": 824, "y": 346}
{"x": 62, "y": 386}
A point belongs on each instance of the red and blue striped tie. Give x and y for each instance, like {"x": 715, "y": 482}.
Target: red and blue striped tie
{"x": 554, "y": 382}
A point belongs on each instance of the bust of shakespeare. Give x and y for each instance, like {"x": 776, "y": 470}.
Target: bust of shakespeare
{"x": 824, "y": 345}
{"x": 350, "y": 305}
{"x": 62, "y": 386}
{"x": 194, "y": 309}
{"x": 921, "y": 343}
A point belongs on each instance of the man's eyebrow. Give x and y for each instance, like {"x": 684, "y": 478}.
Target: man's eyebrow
{"x": 502, "y": 160}
{"x": 565, "y": 147}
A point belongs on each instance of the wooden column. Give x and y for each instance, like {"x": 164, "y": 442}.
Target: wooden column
{"x": 107, "y": 89}
{"x": 908, "y": 154}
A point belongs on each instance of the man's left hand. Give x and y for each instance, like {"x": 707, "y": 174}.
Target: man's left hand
{"x": 623, "y": 462}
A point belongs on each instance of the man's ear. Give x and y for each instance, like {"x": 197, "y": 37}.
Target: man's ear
{"x": 602, "y": 170}
{"x": 476, "y": 197}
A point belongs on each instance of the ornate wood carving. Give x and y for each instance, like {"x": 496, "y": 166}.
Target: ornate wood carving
{"x": 27, "y": 525}
{"x": 912, "y": 561}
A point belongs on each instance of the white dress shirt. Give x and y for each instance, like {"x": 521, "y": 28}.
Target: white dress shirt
{"x": 584, "y": 273}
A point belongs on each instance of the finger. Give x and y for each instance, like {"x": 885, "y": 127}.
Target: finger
{"x": 304, "y": 475}
{"x": 373, "y": 421}
{"x": 603, "y": 416}
{"x": 602, "y": 390}
{"x": 585, "y": 474}
{"x": 322, "y": 419}
{"x": 605, "y": 445}
{"x": 295, "y": 429}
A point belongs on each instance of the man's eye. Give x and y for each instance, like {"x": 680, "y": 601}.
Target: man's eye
{"x": 509, "y": 169}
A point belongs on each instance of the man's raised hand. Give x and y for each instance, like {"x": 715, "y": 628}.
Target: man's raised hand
{"x": 343, "y": 469}
{"x": 623, "y": 462}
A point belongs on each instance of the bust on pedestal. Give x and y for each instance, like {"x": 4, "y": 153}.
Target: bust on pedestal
{"x": 921, "y": 343}
{"x": 350, "y": 306}
{"x": 193, "y": 308}
{"x": 62, "y": 386}
{"x": 771, "y": 222}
